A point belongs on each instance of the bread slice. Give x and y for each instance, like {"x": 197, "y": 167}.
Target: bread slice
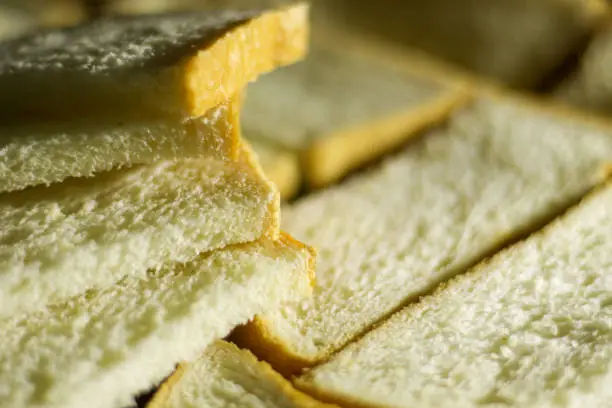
{"x": 342, "y": 107}
{"x": 103, "y": 347}
{"x": 226, "y": 376}
{"x": 177, "y": 65}
{"x": 528, "y": 328}
{"x": 281, "y": 166}
{"x": 18, "y": 17}
{"x": 498, "y": 170}
{"x": 58, "y": 241}
{"x": 38, "y": 154}
{"x": 517, "y": 42}
{"x": 590, "y": 87}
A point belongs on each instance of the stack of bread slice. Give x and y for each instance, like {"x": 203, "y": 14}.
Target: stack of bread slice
{"x": 527, "y": 328}
{"x": 137, "y": 227}
{"x": 349, "y": 102}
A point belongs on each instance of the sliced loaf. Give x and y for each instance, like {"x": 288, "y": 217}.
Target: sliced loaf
{"x": 103, "y": 347}
{"x": 529, "y": 328}
{"x": 58, "y": 241}
{"x": 342, "y": 107}
{"x": 498, "y": 170}
{"x": 226, "y": 376}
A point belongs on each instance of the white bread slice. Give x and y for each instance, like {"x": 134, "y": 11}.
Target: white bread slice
{"x": 281, "y": 166}
{"x": 58, "y": 241}
{"x": 178, "y": 65}
{"x": 497, "y": 171}
{"x": 103, "y": 347}
{"x": 343, "y": 107}
{"x": 226, "y": 376}
{"x": 528, "y": 328}
{"x": 590, "y": 87}
{"x": 38, "y": 154}
{"x": 517, "y": 42}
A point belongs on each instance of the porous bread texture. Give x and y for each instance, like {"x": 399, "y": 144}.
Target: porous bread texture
{"x": 516, "y": 42}
{"x": 58, "y": 241}
{"x": 43, "y": 154}
{"x": 281, "y": 166}
{"x": 178, "y": 65}
{"x": 339, "y": 108}
{"x": 226, "y": 376}
{"x": 590, "y": 87}
{"x": 497, "y": 171}
{"x": 103, "y": 347}
{"x": 529, "y": 328}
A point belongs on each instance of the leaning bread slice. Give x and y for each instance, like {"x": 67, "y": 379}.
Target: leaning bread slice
{"x": 226, "y": 376}
{"x": 42, "y": 154}
{"x": 105, "y": 346}
{"x": 344, "y": 106}
{"x": 498, "y": 170}
{"x": 61, "y": 240}
{"x": 281, "y": 166}
{"x": 178, "y": 65}
{"x": 529, "y": 328}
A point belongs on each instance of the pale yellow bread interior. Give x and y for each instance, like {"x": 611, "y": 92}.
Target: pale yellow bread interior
{"x": 59, "y": 241}
{"x": 103, "y": 347}
{"x": 501, "y": 168}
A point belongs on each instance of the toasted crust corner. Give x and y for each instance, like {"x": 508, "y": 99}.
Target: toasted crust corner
{"x": 163, "y": 392}
{"x": 260, "y": 340}
{"x": 276, "y": 38}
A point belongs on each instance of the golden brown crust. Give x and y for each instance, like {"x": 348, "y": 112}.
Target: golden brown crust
{"x": 247, "y": 157}
{"x": 299, "y": 398}
{"x": 163, "y": 392}
{"x": 334, "y": 156}
{"x": 288, "y": 240}
{"x": 274, "y": 39}
{"x": 256, "y": 336}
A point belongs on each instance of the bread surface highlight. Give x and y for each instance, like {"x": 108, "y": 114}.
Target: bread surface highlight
{"x": 528, "y": 328}
{"x": 498, "y": 170}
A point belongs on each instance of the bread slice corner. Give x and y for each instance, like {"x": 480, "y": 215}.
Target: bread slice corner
{"x": 109, "y": 344}
{"x": 241, "y": 377}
